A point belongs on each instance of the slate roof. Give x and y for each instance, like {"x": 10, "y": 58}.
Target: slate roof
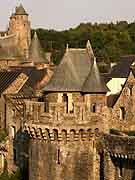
{"x": 36, "y": 53}
{"x": 121, "y": 70}
{"x": 71, "y": 72}
{"x": 6, "y": 78}
{"x": 94, "y": 83}
{"x": 20, "y": 10}
{"x": 112, "y": 99}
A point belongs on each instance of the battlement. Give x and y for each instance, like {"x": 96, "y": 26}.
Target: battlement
{"x": 55, "y": 114}
{"x": 120, "y": 146}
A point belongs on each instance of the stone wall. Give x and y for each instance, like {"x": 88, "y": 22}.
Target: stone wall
{"x": 58, "y": 160}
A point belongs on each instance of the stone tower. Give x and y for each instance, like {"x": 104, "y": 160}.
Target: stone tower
{"x": 20, "y": 25}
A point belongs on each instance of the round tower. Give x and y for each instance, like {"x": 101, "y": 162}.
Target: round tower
{"x": 20, "y": 25}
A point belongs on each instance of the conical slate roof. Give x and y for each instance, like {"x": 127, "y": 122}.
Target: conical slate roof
{"x": 20, "y": 10}
{"x": 71, "y": 72}
{"x": 94, "y": 83}
{"x": 36, "y": 53}
{"x": 89, "y": 48}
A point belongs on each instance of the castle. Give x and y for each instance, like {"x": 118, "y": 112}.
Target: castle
{"x": 64, "y": 122}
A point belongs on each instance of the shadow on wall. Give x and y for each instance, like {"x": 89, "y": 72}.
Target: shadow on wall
{"x": 21, "y": 152}
{"x": 133, "y": 178}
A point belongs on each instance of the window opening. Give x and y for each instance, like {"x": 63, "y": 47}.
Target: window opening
{"x": 121, "y": 168}
{"x": 93, "y": 108}
{"x": 58, "y": 161}
{"x": 65, "y": 99}
{"x": 46, "y": 105}
{"x": 122, "y": 113}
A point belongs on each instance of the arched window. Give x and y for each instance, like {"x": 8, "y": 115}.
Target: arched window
{"x": 72, "y": 134}
{"x": 47, "y": 134}
{"x": 55, "y": 133}
{"x": 97, "y": 132}
{"x": 89, "y": 134}
{"x": 81, "y": 133}
{"x": 64, "y": 135}
{"x": 122, "y": 113}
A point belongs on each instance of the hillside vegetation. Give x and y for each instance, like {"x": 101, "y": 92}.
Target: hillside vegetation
{"x": 109, "y": 41}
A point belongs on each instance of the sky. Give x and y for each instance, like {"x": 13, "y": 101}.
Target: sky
{"x": 65, "y": 14}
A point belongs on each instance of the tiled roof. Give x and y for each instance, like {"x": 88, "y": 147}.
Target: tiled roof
{"x": 6, "y": 78}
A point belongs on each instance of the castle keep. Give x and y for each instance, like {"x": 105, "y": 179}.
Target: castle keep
{"x": 67, "y": 121}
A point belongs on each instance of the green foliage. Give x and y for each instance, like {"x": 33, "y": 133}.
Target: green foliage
{"x": 115, "y": 131}
{"x": 3, "y": 135}
{"x": 109, "y": 41}
{"x": 4, "y": 176}
{"x": 131, "y": 133}
{"x": 14, "y": 176}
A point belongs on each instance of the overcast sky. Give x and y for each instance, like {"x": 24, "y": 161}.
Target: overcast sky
{"x": 64, "y": 14}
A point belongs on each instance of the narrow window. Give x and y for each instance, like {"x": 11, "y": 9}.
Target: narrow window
{"x": 58, "y": 161}
{"x": 101, "y": 167}
{"x": 13, "y": 113}
{"x": 13, "y": 131}
{"x": 55, "y": 132}
{"x": 130, "y": 87}
{"x": 122, "y": 113}
{"x": 46, "y": 105}
{"x": 2, "y": 161}
{"x": 14, "y": 151}
{"x": 65, "y": 99}
{"x": 89, "y": 134}
{"x": 93, "y": 108}
{"x": 72, "y": 111}
{"x": 81, "y": 132}
{"x": 121, "y": 168}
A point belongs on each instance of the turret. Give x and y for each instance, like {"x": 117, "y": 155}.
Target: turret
{"x": 20, "y": 25}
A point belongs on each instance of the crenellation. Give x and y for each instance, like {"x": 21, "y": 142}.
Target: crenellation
{"x": 62, "y": 135}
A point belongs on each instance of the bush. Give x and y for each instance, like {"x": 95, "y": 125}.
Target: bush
{"x": 115, "y": 132}
{"x": 14, "y": 176}
{"x": 3, "y": 135}
{"x": 131, "y": 133}
{"x": 4, "y": 176}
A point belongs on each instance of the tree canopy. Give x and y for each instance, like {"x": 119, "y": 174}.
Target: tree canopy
{"x": 109, "y": 41}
